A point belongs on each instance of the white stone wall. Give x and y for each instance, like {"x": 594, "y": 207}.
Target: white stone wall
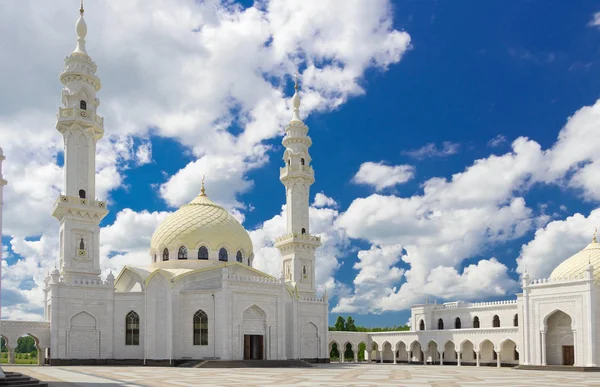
{"x": 124, "y": 303}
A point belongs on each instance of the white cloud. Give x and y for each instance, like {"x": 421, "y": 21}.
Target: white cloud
{"x": 322, "y": 200}
{"x": 556, "y": 242}
{"x": 383, "y": 176}
{"x": 431, "y": 150}
{"x": 143, "y": 154}
{"x": 595, "y": 22}
{"x": 497, "y": 141}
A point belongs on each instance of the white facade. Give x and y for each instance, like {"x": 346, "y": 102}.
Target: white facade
{"x": 198, "y": 296}
{"x": 553, "y": 322}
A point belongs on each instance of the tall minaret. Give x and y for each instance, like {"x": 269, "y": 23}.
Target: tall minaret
{"x": 298, "y": 246}
{"x": 77, "y": 209}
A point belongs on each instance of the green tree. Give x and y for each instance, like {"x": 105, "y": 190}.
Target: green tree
{"x": 340, "y": 324}
{"x": 25, "y": 344}
{"x": 3, "y": 345}
{"x": 349, "y": 353}
{"x": 350, "y": 324}
{"x": 334, "y": 354}
{"x": 361, "y": 351}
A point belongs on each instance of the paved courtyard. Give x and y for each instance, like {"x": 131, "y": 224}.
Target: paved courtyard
{"x": 358, "y": 375}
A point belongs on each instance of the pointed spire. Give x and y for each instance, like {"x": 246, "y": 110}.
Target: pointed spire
{"x": 202, "y": 192}
{"x": 296, "y": 100}
{"x": 81, "y": 29}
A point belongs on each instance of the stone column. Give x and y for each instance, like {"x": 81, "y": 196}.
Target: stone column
{"x": 543, "y": 354}
{"x": 498, "y": 359}
{"x": 477, "y": 357}
{"x": 441, "y": 357}
{"x": 381, "y": 356}
{"x": 425, "y": 357}
{"x": 356, "y": 356}
{"x": 11, "y": 356}
{"x": 41, "y": 356}
{"x": 395, "y": 355}
{"x": 458, "y": 356}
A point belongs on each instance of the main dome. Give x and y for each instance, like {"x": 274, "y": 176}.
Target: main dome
{"x": 201, "y": 223}
{"x": 576, "y": 266}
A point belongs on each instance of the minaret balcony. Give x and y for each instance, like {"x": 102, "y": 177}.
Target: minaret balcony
{"x": 71, "y": 204}
{"x": 68, "y": 114}
{"x": 287, "y": 240}
{"x": 304, "y": 171}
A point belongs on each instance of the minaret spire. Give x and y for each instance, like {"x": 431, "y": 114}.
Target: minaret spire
{"x": 81, "y": 28}
{"x": 297, "y": 246}
{"x": 81, "y": 8}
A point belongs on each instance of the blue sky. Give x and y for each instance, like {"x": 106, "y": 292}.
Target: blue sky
{"x": 475, "y": 77}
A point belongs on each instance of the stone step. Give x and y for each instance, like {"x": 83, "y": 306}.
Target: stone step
{"x": 254, "y": 364}
{"x": 18, "y": 379}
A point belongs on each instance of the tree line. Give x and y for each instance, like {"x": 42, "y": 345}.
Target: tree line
{"x": 348, "y": 325}
{"x": 25, "y": 344}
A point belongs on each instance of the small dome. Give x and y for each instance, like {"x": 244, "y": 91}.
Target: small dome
{"x": 576, "y": 266}
{"x": 81, "y": 27}
{"x": 200, "y": 223}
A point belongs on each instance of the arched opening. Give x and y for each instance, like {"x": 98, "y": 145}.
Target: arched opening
{"x": 374, "y": 352}
{"x": 467, "y": 353}
{"x": 288, "y": 162}
{"x": 165, "y": 254}
{"x": 182, "y": 253}
{"x": 416, "y": 353}
{"x": 4, "y": 350}
{"x": 560, "y": 346}
{"x": 457, "y": 323}
{"x": 302, "y": 161}
{"x": 421, "y": 325}
{"x": 200, "y": 328}
{"x": 516, "y": 320}
{"x": 202, "y": 252}
{"x": 496, "y": 322}
{"x": 303, "y": 231}
{"x": 334, "y": 353}
{"x": 132, "y": 329}
{"x": 254, "y": 321}
{"x": 487, "y": 354}
{"x": 83, "y": 105}
{"x": 433, "y": 356}
{"x": 475, "y": 322}
{"x": 27, "y": 351}
{"x": 450, "y": 356}
{"x": 508, "y": 352}
{"x": 440, "y": 324}
{"x": 238, "y": 256}
{"x": 223, "y": 254}
{"x": 348, "y": 353}
{"x": 401, "y": 353}
{"x": 362, "y": 351}
{"x": 387, "y": 352}
{"x": 82, "y": 194}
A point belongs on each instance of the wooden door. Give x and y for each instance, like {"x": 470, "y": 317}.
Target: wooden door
{"x": 568, "y": 354}
{"x": 247, "y": 351}
{"x": 261, "y": 347}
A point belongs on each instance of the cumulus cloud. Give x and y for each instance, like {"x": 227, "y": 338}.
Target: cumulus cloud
{"x": 322, "y": 200}
{"x": 555, "y": 242}
{"x": 595, "y": 22}
{"x": 431, "y": 150}
{"x": 383, "y": 176}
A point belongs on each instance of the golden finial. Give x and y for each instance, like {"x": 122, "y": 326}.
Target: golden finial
{"x": 202, "y": 190}
{"x": 81, "y": 8}
{"x": 594, "y": 237}
{"x": 296, "y": 76}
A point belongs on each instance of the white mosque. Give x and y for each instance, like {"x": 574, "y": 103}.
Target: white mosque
{"x": 198, "y": 296}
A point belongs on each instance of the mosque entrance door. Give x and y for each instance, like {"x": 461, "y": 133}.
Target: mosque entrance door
{"x": 568, "y": 354}
{"x": 253, "y": 347}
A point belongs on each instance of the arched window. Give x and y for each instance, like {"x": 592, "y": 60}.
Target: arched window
{"x": 516, "y": 320}
{"x": 165, "y": 254}
{"x": 302, "y": 161}
{"x": 475, "y": 322}
{"x": 202, "y": 252}
{"x": 496, "y": 323}
{"x": 82, "y": 194}
{"x": 303, "y": 231}
{"x": 200, "y": 328}
{"x": 289, "y": 162}
{"x": 82, "y": 105}
{"x": 182, "y": 254}
{"x": 81, "y": 244}
{"x": 132, "y": 329}
{"x": 440, "y": 324}
{"x": 223, "y": 254}
{"x": 249, "y": 262}
{"x": 238, "y": 256}
{"x": 457, "y": 323}
{"x": 421, "y": 325}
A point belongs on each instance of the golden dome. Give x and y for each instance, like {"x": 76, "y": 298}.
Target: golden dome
{"x": 576, "y": 266}
{"x": 200, "y": 223}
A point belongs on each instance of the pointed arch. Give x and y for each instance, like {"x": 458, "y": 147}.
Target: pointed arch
{"x": 457, "y": 323}
{"x": 475, "y": 322}
{"x": 84, "y": 320}
{"x": 421, "y": 325}
{"x": 165, "y": 254}
{"x": 440, "y": 324}
{"x": 200, "y": 326}
{"x": 496, "y": 321}
{"x": 223, "y": 256}
{"x": 132, "y": 328}
{"x": 239, "y": 256}
{"x": 203, "y": 252}
{"x": 182, "y": 253}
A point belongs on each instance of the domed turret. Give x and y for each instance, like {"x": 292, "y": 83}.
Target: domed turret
{"x": 200, "y": 232}
{"x": 577, "y": 265}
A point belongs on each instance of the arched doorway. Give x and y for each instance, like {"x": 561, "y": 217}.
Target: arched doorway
{"x": 253, "y": 329}
{"x": 433, "y": 356}
{"x": 467, "y": 353}
{"x": 348, "y": 353}
{"x": 449, "y": 353}
{"x": 560, "y": 346}
{"x": 401, "y": 352}
{"x": 82, "y": 337}
{"x": 5, "y": 351}
{"x": 334, "y": 353}
{"x": 387, "y": 353}
{"x": 309, "y": 347}
{"x": 487, "y": 354}
{"x": 508, "y": 352}
{"x": 362, "y": 351}
{"x": 416, "y": 353}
